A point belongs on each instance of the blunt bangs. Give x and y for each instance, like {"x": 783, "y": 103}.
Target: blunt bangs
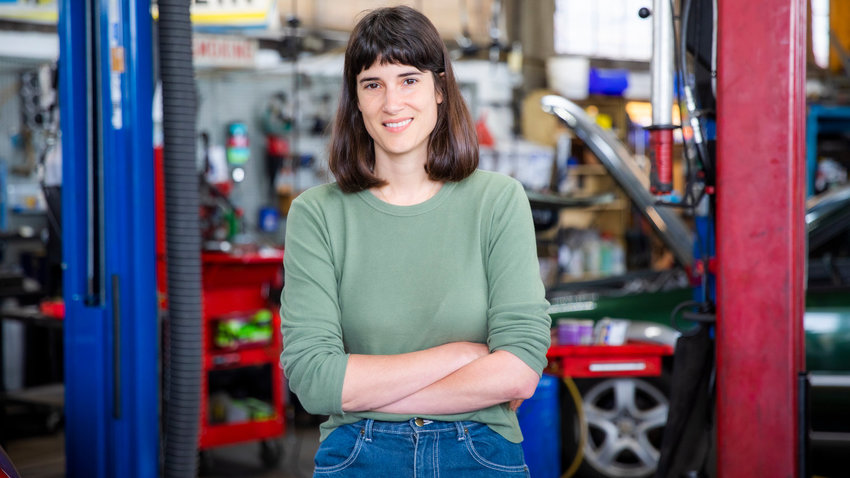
{"x": 391, "y": 37}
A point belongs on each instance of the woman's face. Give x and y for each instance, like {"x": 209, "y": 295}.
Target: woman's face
{"x": 399, "y": 108}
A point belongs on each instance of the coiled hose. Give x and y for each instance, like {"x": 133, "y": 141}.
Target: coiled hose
{"x": 183, "y": 368}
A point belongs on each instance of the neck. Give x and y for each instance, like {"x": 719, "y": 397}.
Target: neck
{"x": 404, "y": 167}
{"x": 407, "y": 183}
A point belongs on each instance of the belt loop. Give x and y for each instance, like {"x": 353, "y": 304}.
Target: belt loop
{"x": 461, "y": 431}
{"x": 367, "y": 431}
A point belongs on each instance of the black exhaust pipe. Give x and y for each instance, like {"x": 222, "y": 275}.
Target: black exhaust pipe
{"x": 183, "y": 360}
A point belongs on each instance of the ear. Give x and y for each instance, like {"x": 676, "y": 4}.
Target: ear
{"x": 442, "y": 78}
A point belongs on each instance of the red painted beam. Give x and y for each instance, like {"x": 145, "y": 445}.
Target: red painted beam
{"x": 760, "y": 234}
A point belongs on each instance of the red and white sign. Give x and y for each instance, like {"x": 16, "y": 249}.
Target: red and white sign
{"x": 223, "y": 51}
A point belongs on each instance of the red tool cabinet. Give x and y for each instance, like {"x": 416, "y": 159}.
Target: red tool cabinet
{"x": 236, "y": 287}
{"x": 588, "y": 361}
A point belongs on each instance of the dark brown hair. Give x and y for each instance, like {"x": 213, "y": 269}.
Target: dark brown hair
{"x": 403, "y": 36}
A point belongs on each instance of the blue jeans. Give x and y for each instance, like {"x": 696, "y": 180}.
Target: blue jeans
{"x": 418, "y": 449}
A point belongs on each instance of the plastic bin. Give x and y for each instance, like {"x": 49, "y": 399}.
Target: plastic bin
{"x": 539, "y": 419}
{"x": 611, "y": 82}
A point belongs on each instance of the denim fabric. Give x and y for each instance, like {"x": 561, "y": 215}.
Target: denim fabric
{"x": 435, "y": 449}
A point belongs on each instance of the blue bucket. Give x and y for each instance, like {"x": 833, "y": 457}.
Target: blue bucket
{"x": 539, "y": 419}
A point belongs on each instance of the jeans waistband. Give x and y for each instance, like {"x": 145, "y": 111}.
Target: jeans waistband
{"x": 413, "y": 426}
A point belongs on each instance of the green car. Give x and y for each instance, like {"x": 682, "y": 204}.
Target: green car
{"x": 624, "y": 417}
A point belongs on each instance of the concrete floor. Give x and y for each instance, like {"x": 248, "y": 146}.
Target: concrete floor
{"x": 44, "y": 457}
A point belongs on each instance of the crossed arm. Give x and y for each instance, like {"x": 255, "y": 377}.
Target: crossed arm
{"x": 452, "y": 378}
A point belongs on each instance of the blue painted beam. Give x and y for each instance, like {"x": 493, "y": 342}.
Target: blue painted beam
{"x": 111, "y": 326}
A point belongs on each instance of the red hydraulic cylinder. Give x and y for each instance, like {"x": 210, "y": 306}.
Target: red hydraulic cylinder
{"x": 760, "y": 235}
{"x": 661, "y": 143}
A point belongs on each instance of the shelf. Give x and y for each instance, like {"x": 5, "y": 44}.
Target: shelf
{"x": 567, "y": 279}
{"x": 615, "y": 205}
{"x": 213, "y": 435}
{"x": 271, "y": 256}
{"x": 50, "y": 395}
{"x": 551, "y": 201}
{"x": 29, "y": 212}
{"x": 217, "y": 360}
{"x": 248, "y": 271}
{"x": 588, "y": 169}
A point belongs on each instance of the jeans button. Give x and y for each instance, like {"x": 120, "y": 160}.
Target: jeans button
{"x": 419, "y": 422}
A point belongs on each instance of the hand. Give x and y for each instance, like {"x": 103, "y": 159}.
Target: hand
{"x": 514, "y": 404}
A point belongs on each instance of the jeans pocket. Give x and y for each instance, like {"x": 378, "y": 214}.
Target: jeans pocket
{"x": 339, "y": 450}
{"x": 493, "y": 451}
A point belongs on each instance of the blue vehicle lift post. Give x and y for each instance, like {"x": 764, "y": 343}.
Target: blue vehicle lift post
{"x": 111, "y": 325}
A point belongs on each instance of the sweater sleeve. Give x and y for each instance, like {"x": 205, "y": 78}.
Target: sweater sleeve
{"x": 517, "y": 317}
{"x": 313, "y": 357}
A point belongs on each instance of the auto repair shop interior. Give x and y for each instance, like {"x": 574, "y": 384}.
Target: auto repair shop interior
{"x": 685, "y": 162}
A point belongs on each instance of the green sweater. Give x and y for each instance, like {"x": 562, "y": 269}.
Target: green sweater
{"x": 366, "y": 277}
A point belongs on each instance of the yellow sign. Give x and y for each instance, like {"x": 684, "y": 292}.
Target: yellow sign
{"x": 41, "y": 11}
{"x": 232, "y": 14}
{"x": 205, "y": 13}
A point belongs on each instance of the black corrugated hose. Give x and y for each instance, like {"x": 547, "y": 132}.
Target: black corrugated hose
{"x": 183, "y": 366}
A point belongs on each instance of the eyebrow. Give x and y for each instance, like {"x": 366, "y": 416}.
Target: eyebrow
{"x": 400, "y": 75}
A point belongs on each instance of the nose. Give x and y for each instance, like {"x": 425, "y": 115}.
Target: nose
{"x": 392, "y": 100}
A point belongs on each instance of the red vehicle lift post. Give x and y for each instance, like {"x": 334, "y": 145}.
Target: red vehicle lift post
{"x": 760, "y": 235}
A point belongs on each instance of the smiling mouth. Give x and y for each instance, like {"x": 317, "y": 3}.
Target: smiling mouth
{"x": 399, "y": 124}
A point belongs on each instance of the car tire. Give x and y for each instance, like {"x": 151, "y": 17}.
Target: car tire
{"x": 624, "y": 422}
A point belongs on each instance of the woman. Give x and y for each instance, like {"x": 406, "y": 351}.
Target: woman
{"x": 413, "y": 311}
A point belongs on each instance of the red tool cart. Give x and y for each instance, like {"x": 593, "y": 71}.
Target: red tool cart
{"x": 242, "y": 385}
{"x": 588, "y": 361}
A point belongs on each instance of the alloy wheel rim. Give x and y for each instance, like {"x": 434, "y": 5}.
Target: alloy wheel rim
{"x": 624, "y": 418}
